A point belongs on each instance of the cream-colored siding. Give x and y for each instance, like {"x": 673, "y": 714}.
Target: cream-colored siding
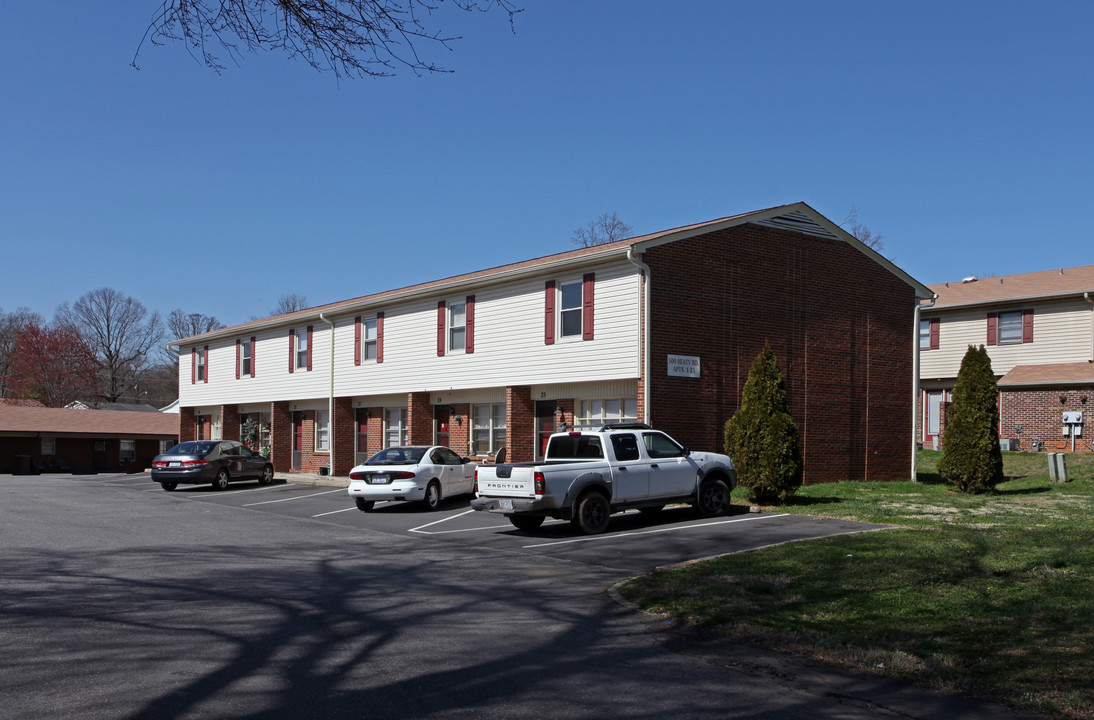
{"x": 509, "y": 348}
{"x": 1061, "y": 334}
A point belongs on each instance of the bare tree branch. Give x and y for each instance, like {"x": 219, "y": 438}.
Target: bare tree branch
{"x": 289, "y": 302}
{"x": 605, "y": 229}
{"x": 863, "y": 234}
{"x": 351, "y": 38}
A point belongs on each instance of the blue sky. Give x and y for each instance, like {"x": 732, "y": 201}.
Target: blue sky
{"x": 960, "y": 131}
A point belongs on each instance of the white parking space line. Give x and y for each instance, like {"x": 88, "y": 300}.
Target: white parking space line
{"x": 298, "y": 497}
{"x": 335, "y": 512}
{"x": 616, "y": 536}
{"x": 421, "y": 528}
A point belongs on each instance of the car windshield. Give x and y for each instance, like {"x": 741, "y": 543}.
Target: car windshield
{"x": 398, "y": 456}
{"x": 198, "y": 447}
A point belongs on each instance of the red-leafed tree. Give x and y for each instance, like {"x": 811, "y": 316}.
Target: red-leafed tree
{"x": 54, "y": 365}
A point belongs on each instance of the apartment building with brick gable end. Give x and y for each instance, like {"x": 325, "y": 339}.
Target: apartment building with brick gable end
{"x": 1038, "y": 328}
{"x": 660, "y": 328}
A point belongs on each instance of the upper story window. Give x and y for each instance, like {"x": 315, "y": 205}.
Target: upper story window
{"x": 199, "y": 358}
{"x": 571, "y": 309}
{"x": 368, "y": 339}
{"x": 568, "y": 309}
{"x": 1010, "y": 327}
{"x": 457, "y": 326}
{"x": 301, "y": 350}
{"x": 245, "y": 360}
{"x": 928, "y": 334}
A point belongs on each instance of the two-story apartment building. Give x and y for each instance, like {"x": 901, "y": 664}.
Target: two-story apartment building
{"x": 660, "y": 328}
{"x": 1038, "y": 328}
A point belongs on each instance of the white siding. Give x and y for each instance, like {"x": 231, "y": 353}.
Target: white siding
{"x": 1061, "y": 334}
{"x": 509, "y": 349}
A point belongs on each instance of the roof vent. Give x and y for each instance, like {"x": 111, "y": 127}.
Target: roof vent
{"x": 969, "y": 279}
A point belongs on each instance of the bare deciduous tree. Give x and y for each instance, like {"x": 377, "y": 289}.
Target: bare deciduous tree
{"x": 183, "y": 325}
{"x": 605, "y": 229}
{"x": 11, "y": 324}
{"x": 121, "y": 332}
{"x": 863, "y": 234}
{"x": 351, "y": 38}
{"x": 289, "y": 302}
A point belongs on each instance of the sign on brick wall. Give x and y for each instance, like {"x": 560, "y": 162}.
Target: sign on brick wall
{"x": 683, "y": 366}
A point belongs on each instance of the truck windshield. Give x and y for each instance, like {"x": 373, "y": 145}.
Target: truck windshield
{"x": 574, "y": 447}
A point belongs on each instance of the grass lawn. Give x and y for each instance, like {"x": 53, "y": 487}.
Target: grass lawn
{"x": 988, "y": 595}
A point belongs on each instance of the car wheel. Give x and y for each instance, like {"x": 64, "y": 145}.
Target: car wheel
{"x": 526, "y": 522}
{"x": 592, "y": 513}
{"x": 267, "y": 475}
{"x": 364, "y": 505}
{"x": 221, "y": 482}
{"x": 713, "y": 498}
{"x": 432, "y": 499}
{"x": 168, "y": 486}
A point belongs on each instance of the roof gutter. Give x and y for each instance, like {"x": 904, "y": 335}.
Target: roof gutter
{"x": 330, "y": 398}
{"x": 915, "y": 377}
{"x": 644, "y": 351}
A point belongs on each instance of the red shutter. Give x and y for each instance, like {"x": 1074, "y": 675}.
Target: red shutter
{"x": 469, "y": 324}
{"x": 587, "y": 306}
{"x": 254, "y": 354}
{"x": 193, "y": 366}
{"x": 292, "y": 351}
{"x": 440, "y": 328}
{"x": 549, "y": 313}
{"x": 309, "y": 346}
{"x": 993, "y": 328}
{"x": 379, "y": 337}
{"x": 934, "y": 333}
{"x": 357, "y": 340}
{"x": 206, "y": 363}
{"x": 1027, "y": 325}
{"x": 238, "y": 351}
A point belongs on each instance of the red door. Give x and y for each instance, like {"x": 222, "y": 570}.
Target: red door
{"x": 545, "y": 425}
{"x": 297, "y": 440}
{"x": 441, "y": 418}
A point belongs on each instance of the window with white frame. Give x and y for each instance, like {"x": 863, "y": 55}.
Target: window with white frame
{"x": 571, "y": 309}
{"x": 607, "y": 410}
{"x": 165, "y": 445}
{"x": 218, "y": 428}
{"x": 322, "y": 431}
{"x": 245, "y": 359}
{"x": 128, "y": 451}
{"x": 487, "y": 428}
{"x": 49, "y": 446}
{"x": 924, "y": 334}
{"x": 200, "y": 355}
{"x": 368, "y": 340}
{"x": 301, "y": 349}
{"x": 457, "y": 326}
{"x": 395, "y": 430}
{"x": 1010, "y": 327}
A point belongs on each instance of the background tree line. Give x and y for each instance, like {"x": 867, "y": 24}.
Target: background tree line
{"x": 106, "y": 347}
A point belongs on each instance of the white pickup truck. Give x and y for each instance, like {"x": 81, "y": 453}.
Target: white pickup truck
{"x": 586, "y": 476}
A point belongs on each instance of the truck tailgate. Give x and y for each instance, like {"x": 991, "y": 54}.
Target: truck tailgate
{"x": 516, "y": 481}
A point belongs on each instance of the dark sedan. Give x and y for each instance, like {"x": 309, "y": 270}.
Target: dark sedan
{"x": 217, "y": 462}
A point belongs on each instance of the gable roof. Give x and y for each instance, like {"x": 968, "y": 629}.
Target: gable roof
{"x": 797, "y": 217}
{"x": 1042, "y": 284}
{"x": 100, "y": 423}
{"x": 1080, "y": 373}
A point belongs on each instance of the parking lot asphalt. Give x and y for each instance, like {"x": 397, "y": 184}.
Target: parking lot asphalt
{"x": 634, "y": 542}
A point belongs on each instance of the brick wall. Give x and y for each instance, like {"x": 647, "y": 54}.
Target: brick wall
{"x": 187, "y": 424}
{"x": 520, "y": 410}
{"x": 1040, "y": 413}
{"x": 419, "y": 419}
{"x": 343, "y": 436}
{"x": 840, "y": 326}
{"x": 230, "y": 422}
{"x": 281, "y": 436}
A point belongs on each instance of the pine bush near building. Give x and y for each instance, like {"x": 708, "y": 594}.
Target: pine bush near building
{"x": 971, "y": 458}
{"x": 762, "y": 438}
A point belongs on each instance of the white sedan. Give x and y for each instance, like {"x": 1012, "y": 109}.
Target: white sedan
{"x": 421, "y": 473}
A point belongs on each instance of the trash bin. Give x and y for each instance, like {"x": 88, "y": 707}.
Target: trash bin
{"x": 324, "y": 470}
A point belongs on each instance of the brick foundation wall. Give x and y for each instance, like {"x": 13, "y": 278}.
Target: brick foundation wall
{"x": 1040, "y": 413}
{"x": 839, "y": 324}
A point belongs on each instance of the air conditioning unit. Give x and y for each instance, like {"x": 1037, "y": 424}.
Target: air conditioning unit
{"x": 1008, "y": 444}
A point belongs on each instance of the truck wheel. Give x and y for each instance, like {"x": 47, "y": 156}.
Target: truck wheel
{"x": 713, "y": 498}
{"x": 591, "y": 513}
{"x": 364, "y": 505}
{"x": 527, "y": 523}
{"x": 432, "y": 499}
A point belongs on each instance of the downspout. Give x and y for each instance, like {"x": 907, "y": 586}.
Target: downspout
{"x": 1086, "y": 296}
{"x": 915, "y": 378}
{"x": 644, "y": 353}
{"x": 330, "y": 396}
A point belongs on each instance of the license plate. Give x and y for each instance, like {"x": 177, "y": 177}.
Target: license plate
{"x": 505, "y": 504}
{"x": 378, "y": 479}
{"x": 175, "y": 464}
